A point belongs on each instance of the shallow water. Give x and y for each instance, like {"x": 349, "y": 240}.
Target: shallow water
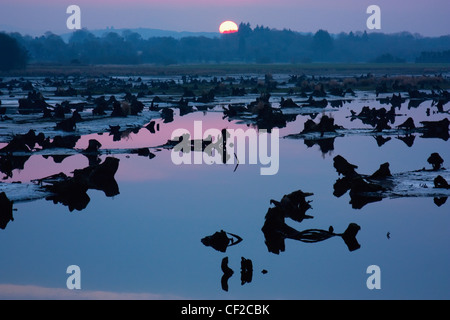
{"x": 146, "y": 241}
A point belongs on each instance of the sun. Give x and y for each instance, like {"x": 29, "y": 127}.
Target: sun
{"x": 228, "y": 27}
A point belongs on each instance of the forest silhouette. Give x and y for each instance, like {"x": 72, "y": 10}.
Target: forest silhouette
{"x": 249, "y": 45}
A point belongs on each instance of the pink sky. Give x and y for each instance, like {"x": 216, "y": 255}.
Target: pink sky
{"x": 424, "y": 17}
{"x": 32, "y": 292}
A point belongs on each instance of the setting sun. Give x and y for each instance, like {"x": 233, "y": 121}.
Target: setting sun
{"x": 228, "y": 27}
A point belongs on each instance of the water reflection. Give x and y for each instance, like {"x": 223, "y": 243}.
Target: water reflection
{"x": 6, "y": 210}
{"x": 72, "y": 191}
{"x": 118, "y": 134}
{"x": 220, "y": 240}
{"x": 9, "y": 163}
{"x": 107, "y": 127}
{"x": 259, "y": 113}
{"x": 227, "y": 274}
{"x": 436, "y": 129}
{"x": 246, "y": 270}
{"x": 365, "y": 189}
{"x": 294, "y": 206}
{"x": 325, "y": 145}
{"x": 325, "y": 132}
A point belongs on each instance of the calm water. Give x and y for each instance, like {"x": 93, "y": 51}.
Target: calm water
{"x": 145, "y": 242}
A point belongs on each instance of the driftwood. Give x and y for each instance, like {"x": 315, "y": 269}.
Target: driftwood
{"x": 382, "y": 184}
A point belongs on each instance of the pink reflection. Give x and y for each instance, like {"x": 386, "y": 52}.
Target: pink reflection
{"x": 31, "y": 292}
{"x": 136, "y": 168}
{"x": 145, "y": 139}
{"x": 132, "y": 167}
{"x": 37, "y": 167}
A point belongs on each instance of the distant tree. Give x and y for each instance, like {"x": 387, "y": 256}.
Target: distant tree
{"x": 131, "y": 36}
{"x": 322, "y": 42}
{"x": 387, "y": 58}
{"x": 52, "y": 48}
{"x": 365, "y": 36}
{"x": 434, "y": 57}
{"x": 80, "y": 36}
{"x": 244, "y": 29}
{"x": 12, "y": 55}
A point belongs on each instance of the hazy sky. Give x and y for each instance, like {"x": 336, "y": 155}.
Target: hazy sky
{"x": 429, "y": 18}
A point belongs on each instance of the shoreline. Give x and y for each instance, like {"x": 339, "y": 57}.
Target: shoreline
{"x": 316, "y": 69}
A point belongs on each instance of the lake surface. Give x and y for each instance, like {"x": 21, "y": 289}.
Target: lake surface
{"x": 145, "y": 242}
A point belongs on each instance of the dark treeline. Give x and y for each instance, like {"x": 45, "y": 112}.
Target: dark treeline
{"x": 251, "y": 45}
{"x": 431, "y": 56}
{"x": 12, "y": 55}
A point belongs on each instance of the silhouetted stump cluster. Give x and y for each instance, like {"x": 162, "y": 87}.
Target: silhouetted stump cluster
{"x": 30, "y": 141}
{"x": 360, "y": 189}
{"x": 365, "y": 188}
{"x": 260, "y": 112}
{"x": 377, "y": 118}
{"x": 326, "y": 124}
{"x": 6, "y": 210}
{"x": 441, "y": 183}
{"x": 246, "y": 272}
{"x": 294, "y": 206}
{"x": 436, "y": 161}
{"x": 220, "y": 240}
{"x": 72, "y": 191}
{"x": 227, "y": 274}
{"x": 33, "y": 103}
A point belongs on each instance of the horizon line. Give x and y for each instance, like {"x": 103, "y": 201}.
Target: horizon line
{"x": 112, "y": 29}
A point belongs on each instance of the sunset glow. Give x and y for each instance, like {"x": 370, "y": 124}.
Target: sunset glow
{"x": 228, "y": 27}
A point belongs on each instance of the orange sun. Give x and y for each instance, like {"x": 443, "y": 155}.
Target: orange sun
{"x": 228, "y": 27}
